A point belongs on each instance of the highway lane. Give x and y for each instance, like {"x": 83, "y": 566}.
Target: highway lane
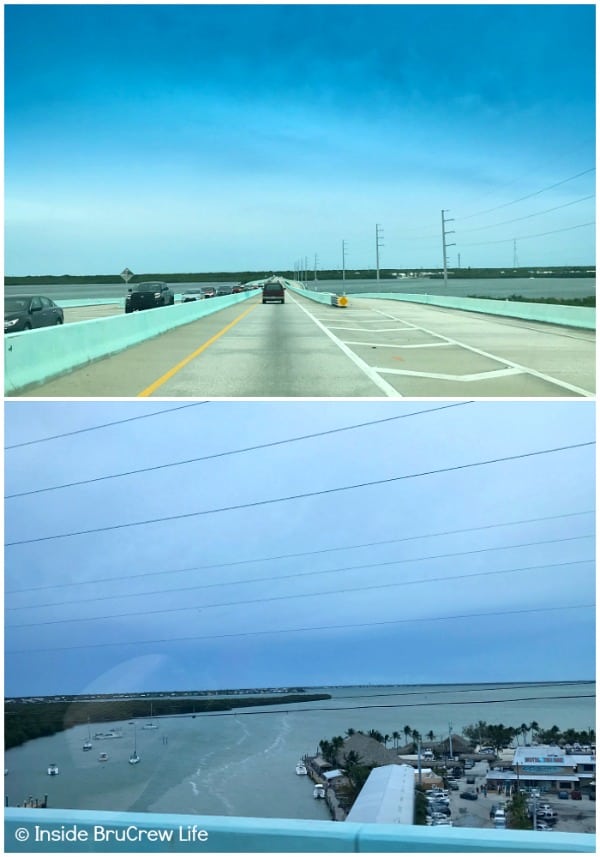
{"x": 372, "y": 348}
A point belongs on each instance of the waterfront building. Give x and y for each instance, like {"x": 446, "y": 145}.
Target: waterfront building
{"x": 387, "y": 797}
{"x": 549, "y": 768}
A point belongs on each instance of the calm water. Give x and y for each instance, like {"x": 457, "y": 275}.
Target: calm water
{"x": 576, "y": 287}
{"x": 242, "y": 764}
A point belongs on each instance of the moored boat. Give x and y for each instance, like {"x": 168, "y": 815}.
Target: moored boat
{"x": 52, "y": 769}
{"x": 319, "y": 791}
{"x": 103, "y": 757}
{"x": 301, "y": 769}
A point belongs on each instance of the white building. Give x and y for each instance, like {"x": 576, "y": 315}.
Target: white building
{"x": 387, "y": 797}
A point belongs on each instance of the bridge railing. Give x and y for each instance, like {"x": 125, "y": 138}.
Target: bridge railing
{"x": 65, "y": 830}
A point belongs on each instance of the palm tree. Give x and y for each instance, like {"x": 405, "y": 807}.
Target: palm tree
{"x": 386, "y": 738}
{"x": 431, "y": 735}
{"x": 524, "y": 729}
{"x": 407, "y": 732}
{"x": 533, "y": 727}
{"x": 396, "y": 737}
{"x": 350, "y": 732}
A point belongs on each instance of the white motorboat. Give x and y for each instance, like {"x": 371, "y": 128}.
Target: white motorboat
{"x": 319, "y": 791}
{"x": 52, "y": 770}
{"x": 103, "y": 757}
{"x": 301, "y": 769}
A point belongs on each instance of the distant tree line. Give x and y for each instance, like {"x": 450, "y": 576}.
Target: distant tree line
{"x": 325, "y": 274}
{"x": 24, "y": 721}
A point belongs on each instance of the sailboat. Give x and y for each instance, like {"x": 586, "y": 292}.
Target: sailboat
{"x": 134, "y": 758}
{"x": 150, "y": 725}
{"x": 88, "y": 744}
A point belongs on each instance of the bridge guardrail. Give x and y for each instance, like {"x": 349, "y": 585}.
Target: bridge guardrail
{"x": 329, "y": 298}
{"x": 35, "y": 356}
{"x": 567, "y": 316}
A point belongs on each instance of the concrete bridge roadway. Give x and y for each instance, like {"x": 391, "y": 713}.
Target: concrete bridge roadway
{"x": 372, "y": 348}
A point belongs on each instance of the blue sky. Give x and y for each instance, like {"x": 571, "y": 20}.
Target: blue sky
{"x": 352, "y": 586}
{"x": 208, "y": 138}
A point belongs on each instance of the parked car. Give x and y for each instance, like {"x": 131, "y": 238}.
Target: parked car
{"x": 575, "y": 795}
{"x": 548, "y": 815}
{"x": 25, "y": 312}
{"x": 439, "y": 810}
{"x": 470, "y": 781}
{"x": 453, "y": 785}
{"x": 542, "y": 825}
{"x": 468, "y": 795}
{"x": 273, "y": 292}
{"x": 563, "y": 794}
{"x": 148, "y": 295}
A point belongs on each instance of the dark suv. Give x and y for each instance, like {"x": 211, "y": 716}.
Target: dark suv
{"x": 273, "y": 291}
{"x": 147, "y": 295}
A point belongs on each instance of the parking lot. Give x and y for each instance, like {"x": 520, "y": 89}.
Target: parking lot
{"x": 573, "y": 816}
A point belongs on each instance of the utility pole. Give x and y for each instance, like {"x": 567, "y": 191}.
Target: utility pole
{"x": 515, "y": 258}
{"x": 316, "y": 263}
{"x": 306, "y": 272}
{"x": 459, "y": 260}
{"x": 445, "y": 243}
{"x": 378, "y": 244}
{"x": 343, "y": 260}
{"x": 450, "y": 737}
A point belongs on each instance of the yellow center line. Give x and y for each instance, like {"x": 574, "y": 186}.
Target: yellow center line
{"x": 164, "y": 378}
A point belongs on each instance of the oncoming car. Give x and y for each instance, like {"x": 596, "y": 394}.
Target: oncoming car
{"x": 25, "y": 312}
{"x": 148, "y": 295}
{"x": 192, "y": 295}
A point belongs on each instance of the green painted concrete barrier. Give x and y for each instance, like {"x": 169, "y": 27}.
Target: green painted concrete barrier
{"x": 568, "y": 316}
{"x": 67, "y": 830}
{"x": 329, "y": 298}
{"x": 34, "y": 356}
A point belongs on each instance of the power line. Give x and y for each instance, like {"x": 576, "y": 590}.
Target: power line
{"x": 323, "y": 492}
{"x": 523, "y": 237}
{"x": 263, "y": 599}
{"x": 106, "y": 425}
{"x": 529, "y": 195}
{"x": 560, "y": 608}
{"x": 528, "y": 216}
{"x": 172, "y": 571}
{"x": 300, "y": 574}
{"x": 233, "y": 451}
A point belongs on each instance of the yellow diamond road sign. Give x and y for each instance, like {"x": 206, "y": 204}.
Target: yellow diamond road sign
{"x": 127, "y": 274}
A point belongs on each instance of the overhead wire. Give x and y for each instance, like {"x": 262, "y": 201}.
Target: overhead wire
{"x": 299, "y": 574}
{"x": 239, "y": 451}
{"x": 106, "y": 425}
{"x": 529, "y": 216}
{"x": 270, "y": 632}
{"x": 291, "y": 497}
{"x": 278, "y": 557}
{"x": 264, "y": 599}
